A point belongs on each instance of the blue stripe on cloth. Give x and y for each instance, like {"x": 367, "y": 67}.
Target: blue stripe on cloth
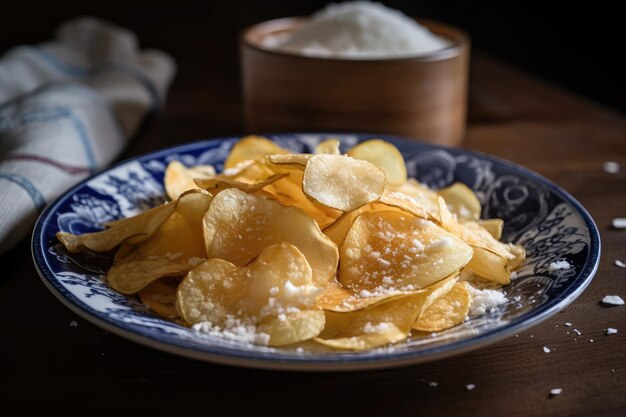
{"x": 28, "y": 186}
{"x": 75, "y": 71}
{"x": 50, "y": 114}
{"x": 60, "y": 66}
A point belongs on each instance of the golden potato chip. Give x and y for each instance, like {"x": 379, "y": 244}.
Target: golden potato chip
{"x": 251, "y": 148}
{"x": 461, "y": 201}
{"x": 277, "y": 283}
{"x": 137, "y": 228}
{"x": 237, "y": 226}
{"x": 160, "y": 297}
{"x": 338, "y": 230}
{"x": 293, "y": 328}
{"x": 178, "y": 178}
{"x": 419, "y": 193}
{"x": 388, "y": 249}
{"x": 405, "y": 203}
{"x": 490, "y": 265}
{"x": 175, "y": 247}
{"x": 493, "y": 259}
{"x": 329, "y": 146}
{"x": 341, "y": 300}
{"x": 493, "y": 226}
{"x": 288, "y": 191}
{"x": 447, "y": 311}
{"x": 341, "y": 182}
{"x": 297, "y": 160}
{"x": 378, "y": 325}
{"x": 385, "y": 156}
{"x": 219, "y": 184}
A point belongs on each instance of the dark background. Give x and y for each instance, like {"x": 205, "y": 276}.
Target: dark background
{"x": 576, "y": 44}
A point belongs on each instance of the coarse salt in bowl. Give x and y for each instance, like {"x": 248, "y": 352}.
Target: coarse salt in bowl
{"x": 356, "y": 67}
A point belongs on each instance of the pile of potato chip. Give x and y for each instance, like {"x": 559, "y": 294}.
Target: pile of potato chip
{"x": 343, "y": 250}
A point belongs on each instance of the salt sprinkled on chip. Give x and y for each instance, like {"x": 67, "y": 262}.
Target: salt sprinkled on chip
{"x": 610, "y": 331}
{"x": 74, "y": 323}
{"x": 620, "y": 263}
{"x": 558, "y": 265}
{"x": 612, "y": 300}
{"x": 470, "y": 387}
{"x": 611, "y": 167}
{"x": 556, "y": 391}
{"x": 619, "y": 223}
{"x": 546, "y": 349}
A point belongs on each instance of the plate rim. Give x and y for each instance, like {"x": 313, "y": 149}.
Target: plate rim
{"x": 299, "y": 362}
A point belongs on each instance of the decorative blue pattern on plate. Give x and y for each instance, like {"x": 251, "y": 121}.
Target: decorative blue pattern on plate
{"x": 547, "y": 221}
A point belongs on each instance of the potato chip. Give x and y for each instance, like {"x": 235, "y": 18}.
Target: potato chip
{"x": 461, "y": 201}
{"x": 251, "y": 148}
{"x": 329, "y": 146}
{"x": 388, "y": 249}
{"x": 293, "y": 328}
{"x": 341, "y": 182}
{"x": 178, "y": 178}
{"x": 137, "y": 228}
{"x": 273, "y": 292}
{"x": 288, "y": 191}
{"x": 298, "y": 160}
{"x": 341, "y": 300}
{"x": 338, "y": 230}
{"x": 238, "y": 226}
{"x": 492, "y": 259}
{"x": 447, "y": 311}
{"x": 378, "y": 325}
{"x": 420, "y": 194}
{"x": 385, "y": 156}
{"x": 175, "y": 247}
{"x": 218, "y": 184}
{"x": 493, "y": 226}
{"x": 160, "y": 297}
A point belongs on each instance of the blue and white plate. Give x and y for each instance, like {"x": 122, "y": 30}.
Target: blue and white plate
{"x": 539, "y": 215}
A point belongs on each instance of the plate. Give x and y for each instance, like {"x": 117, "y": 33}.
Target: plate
{"x": 539, "y": 215}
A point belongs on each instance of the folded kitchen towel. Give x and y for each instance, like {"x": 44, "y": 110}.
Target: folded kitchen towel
{"x": 67, "y": 109}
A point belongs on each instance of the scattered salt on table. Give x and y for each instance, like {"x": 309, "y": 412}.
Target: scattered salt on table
{"x": 470, "y": 387}
{"x": 620, "y": 263}
{"x": 619, "y": 223}
{"x": 611, "y": 167}
{"x": 610, "y": 331}
{"x": 546, "y": 349}
{"x": 73, "y": 323}
{"x": 613, "y": 300}
{"x": 556, "y": 391}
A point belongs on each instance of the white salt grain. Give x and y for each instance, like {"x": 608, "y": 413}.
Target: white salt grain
{"x": 620, "y": 263}
{"x": 73, "y": 323}
{"x": 432, "y": 384}
{"x": 558, "y": 265}
{"x": 610, "y": 331}
{"x": 613, "y": 300}
{"x": 568, "y": 324}
{"x": 556, "y": 391}
{"x": 611, "y": 167}
{"x": 470, "y": 387}
{"x": 619, "y": 223}
{"x": 358, "y": 30}
{"x": 546, "y": 349}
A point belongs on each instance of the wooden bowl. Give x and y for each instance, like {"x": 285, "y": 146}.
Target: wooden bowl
{"x": 423, "y": 97}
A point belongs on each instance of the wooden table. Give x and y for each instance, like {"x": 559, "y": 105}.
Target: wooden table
{"x": 512, "y": 115}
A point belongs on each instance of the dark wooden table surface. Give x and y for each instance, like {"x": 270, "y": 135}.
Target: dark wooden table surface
{"x": 44, "y": 361}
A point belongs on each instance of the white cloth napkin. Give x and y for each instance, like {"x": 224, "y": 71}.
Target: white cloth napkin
{"x": 67, "y": 109}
